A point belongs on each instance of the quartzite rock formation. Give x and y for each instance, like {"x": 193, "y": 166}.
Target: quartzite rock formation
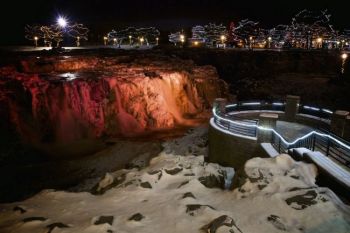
{"x": 61, "y": 98}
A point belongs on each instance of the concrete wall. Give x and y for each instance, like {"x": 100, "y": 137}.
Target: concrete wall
{"x": 232, "y": 151}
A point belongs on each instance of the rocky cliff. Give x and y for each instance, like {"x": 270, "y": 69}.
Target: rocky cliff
{"x": 61, "y": 98}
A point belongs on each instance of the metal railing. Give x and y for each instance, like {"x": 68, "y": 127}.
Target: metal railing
{"x": 318, "y": 140}
{"x": 238, "y": 127}
{"x": 257, "y": 106}
{"x": 318, "y": 112}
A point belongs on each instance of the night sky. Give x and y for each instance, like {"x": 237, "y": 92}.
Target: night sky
{"x": 103, "y": 15}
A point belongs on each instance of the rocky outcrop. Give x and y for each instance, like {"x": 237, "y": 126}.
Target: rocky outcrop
{"x": 67, "y": 98}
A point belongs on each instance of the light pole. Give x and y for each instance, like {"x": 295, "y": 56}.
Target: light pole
{"x": 130, "y": 39}
{"x": 338, "y": 43}
{"x": 269, "y": 39}
{"x": 342, "y": 43}
{"x": 250, "y": 42}
{"x": 141, "y": 41}
{"x": 78, "y": 41}
{"x": 319, "y": 42}
{"x": 157, "y": 40}
{"x": 223, "y": 39}
{"x": 182, "y": 39}
{"x": 36, "y": 41}
{"x": 115, "y": 41}
{"x": 105, "y": 38}
{"x": 344, "y": 56}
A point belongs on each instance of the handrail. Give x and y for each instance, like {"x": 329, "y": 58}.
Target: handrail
{"x": 311, "y": 136}
{"x": 279, "y": 105}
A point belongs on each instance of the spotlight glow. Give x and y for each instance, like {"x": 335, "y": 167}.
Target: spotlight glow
{"x": 62, "y": 22}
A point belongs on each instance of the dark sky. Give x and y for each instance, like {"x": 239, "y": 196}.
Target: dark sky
{"x": 103, "y": 15}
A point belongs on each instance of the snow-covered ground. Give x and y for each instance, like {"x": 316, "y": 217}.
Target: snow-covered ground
{"x": 178, "y": 193}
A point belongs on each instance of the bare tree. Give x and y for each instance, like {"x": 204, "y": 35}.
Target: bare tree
{"x": 149, "y": 35}
{"x": 55, "y": 33}
{"x": 279, "y": 35}
{"x": 246, "y": 32}
{"x": 33, "y": 33}
{"x": 307, "y": 26}
{"x": 78, "y": 31}
{"x": 215, "y": 33}
{"x": 199, "y": 34}
{"x": 176, "y": 38}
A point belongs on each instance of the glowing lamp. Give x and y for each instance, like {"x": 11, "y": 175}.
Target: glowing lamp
{"x": 61, "y": 21}
{"x": 319, "y": 40}
{"x": 344, "y": 56}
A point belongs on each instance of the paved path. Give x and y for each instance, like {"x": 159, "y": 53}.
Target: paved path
{"x": 291, "y": 131}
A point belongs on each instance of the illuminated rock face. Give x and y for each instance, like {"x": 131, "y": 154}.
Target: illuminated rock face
{"x": 104, "y": 96}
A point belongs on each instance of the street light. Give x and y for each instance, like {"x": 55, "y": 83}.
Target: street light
{"x": 62, "y": 22}
{"x": 114, "y": 41}
{"x": 344, "y": 56}
{"x": 269, "y": 39}
{"x": 142, "y": 40}
{"x": 319, "y": 42}
{"x": 250, "y": 42}
{"x": 105, "y": 38}
{"x": 223, "y": 38}
{"x": 78, "y": 41}
{"x": 157, "y": 39}
{"x": 182, "y": 39}
{"x": 36, "y": 41}
{"x": 130, "y": 39}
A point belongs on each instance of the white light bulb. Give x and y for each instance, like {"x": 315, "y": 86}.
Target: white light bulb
{"x": 62, "y": 22}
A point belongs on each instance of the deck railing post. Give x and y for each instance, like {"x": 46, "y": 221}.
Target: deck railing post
{"x": 279, "y": 145}
{"x": 291, "y": 108}
{"x": 313, "y": 142}
{"x": 266, "y": 121}
{"x": 328, "y": 145}
{"x": 220, "y": 105}
{"x": 338, "y": 122}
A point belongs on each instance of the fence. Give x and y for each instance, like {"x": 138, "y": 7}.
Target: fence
{"x": 319, "y": 140}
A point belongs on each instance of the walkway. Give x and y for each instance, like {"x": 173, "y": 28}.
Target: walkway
{"x": 291, "y": 131}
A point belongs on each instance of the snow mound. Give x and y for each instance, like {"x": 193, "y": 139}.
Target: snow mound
{"x": 172, "y": 194}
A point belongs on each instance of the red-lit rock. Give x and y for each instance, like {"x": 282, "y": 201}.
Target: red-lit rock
{"x": 104, "y": 96}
